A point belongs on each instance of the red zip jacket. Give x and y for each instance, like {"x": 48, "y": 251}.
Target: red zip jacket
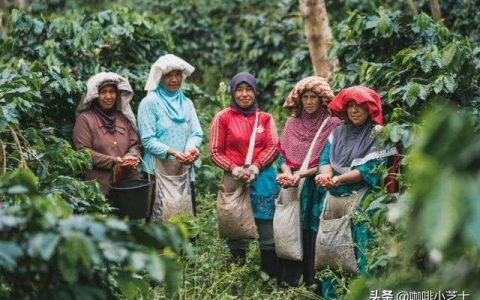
{"x": 230, "y": 133}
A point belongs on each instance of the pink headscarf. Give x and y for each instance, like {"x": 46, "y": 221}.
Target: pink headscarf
{"x": 301, "y": 127}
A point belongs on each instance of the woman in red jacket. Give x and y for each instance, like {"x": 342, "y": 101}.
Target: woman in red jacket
{"x": 230, "y": 133}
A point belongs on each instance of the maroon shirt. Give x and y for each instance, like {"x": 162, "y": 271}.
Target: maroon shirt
{"x": 89, "y": 133}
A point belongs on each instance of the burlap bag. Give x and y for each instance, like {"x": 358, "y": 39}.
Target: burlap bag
{"x": 287, "y": 227}
{"x": 334, "y": 245}
{"x": 172, "y": 190}
{"x": 234, "y": 211}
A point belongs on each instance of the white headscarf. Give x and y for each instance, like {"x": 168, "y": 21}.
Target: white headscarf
{"x": 123, "y": 87}
{"x": 165, "y": 64}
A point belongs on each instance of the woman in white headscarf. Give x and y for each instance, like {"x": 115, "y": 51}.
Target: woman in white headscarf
{"x": 168, "y": 126}
{"x": 106, "y": 126}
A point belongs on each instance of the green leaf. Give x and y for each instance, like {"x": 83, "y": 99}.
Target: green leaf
{"x": 472, "y": 222}
{"x": 43, "y": 244}
{"x": 372, "y": 22}
{"x": 98, "y": 231}
{"x": 411, "y": 95}
{"x": 10, "y": 221}
{"x": 77, "y": 254}
{"x": 277, "y": 39}
{"x": 17, "y": 189}
{"x": 422, "y": 22}
{"x": 156, "y": 268}
{"x": 450, "y": 84}
{"x": 133, "y": 288}
{"x": 423, "y": 91}
{"x": 3, "y": 120}
{"x": 87, "y": 292}
{"x": 438, "y": 84}
{"x": 21, "y": 181}
{"x": 448, "y": 54}
{"x": 264, "y": 276}
{"x": 81, "y": 251}
{"x": 10, "y": 114}
{"x": 9, "y": 252}
{"x": 173, "y": 280}
{"x": 406, "y": 138}
{"x": 114, "y": 252}
{"x": 426, "y": 62}
{"x": 384, "y": 26}
{"x": 395, "y": 133}
{"x": 117, "y": 225}
{"x": 138, "y": 260}
{"x": 38, "y": 27}
{"x": 443, "y": 210}
{"x": 358, "y": 289}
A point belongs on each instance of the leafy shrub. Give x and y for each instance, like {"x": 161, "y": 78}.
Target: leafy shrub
{"x": 410, "y": 61}
{"x": 428, "y": 240}
{"x": 49, "y": 253}
{"x": 50, "y": 248}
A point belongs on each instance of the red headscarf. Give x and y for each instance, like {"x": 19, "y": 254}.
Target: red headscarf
{"x": 360, "y": 95}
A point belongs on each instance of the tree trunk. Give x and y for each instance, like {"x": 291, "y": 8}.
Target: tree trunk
{"x": 319, "y": 35}
{"x": 4, "y": 8}
{"x": 435, "y": 9}
{"x": 412, "y": 7}
{"x": 20, "y": 4}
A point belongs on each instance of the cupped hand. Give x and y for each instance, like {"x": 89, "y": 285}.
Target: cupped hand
{"x": 241, "y": 173}
{"x": 322, "y": 180}
{"x": 130, "y": 161}
{"x": 295, "y": 179}
{"x": 181, "y": 158}
{"x": 283, "y": 179}
{"x": 253, "y": 172}
{"x": 332, "y": 183}
{"x": 191, "y": 155}
{"x": 287, "y": 180}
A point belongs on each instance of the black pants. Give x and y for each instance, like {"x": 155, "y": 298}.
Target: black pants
{"x": 194, "y": 201}
{"x": 291, "y": 271}
{"x": 267, "y": 247}
{"x": 265, "y": 237}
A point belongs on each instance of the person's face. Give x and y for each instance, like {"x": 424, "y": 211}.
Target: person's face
{"x": 172, "y": 81}
{"x": 107, "y": 96}
{"x": 244, "y": 95}
{"x": 357, "y": 113}
{"x": 310, "y": 102}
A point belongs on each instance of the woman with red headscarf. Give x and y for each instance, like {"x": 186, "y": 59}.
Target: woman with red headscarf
{"x": 351, "y": 161}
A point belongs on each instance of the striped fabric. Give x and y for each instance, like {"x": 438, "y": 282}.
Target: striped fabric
{"x": 229, "y": 138}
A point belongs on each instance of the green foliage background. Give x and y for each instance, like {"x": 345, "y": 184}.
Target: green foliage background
{"x": 53, "y": 225}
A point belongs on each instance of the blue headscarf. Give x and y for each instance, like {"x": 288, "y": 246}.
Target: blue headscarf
{"x": 173, "y": 103}
{"x": 243, "y": 77}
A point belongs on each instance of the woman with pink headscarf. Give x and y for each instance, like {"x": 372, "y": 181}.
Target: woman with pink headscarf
{"x": 307, "y": 103}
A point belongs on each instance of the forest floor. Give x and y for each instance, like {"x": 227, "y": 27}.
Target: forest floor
{"x": 213, "y": 274}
